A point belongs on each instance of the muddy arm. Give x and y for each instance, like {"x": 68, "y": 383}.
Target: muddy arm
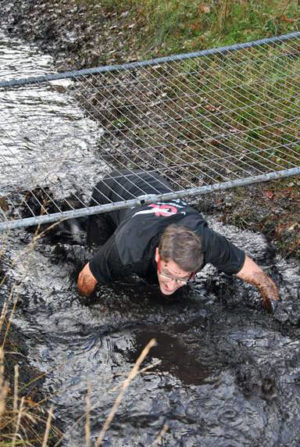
{"x": 86, "y": 281}
{"x": 253, "y": 274}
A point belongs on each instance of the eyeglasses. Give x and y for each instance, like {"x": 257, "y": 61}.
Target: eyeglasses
{"x": 179, "y": 281}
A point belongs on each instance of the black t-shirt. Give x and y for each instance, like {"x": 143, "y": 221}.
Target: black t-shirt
{"x": 131, "y": 249}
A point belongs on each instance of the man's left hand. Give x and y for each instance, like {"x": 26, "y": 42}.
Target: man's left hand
{"x": 253, "y": 274}
{"x": 269, "y": 293}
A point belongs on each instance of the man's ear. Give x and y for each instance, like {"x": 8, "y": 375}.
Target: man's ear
{"x": 156, "y": 255}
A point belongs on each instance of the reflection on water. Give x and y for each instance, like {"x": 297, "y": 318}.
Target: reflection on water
{"x": 229, "y": 373}
{"x": 176, "y": 357}
{"x": 46, "y": 139}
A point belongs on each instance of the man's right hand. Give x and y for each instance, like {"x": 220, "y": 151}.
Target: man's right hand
{"x": 86, "y": 281}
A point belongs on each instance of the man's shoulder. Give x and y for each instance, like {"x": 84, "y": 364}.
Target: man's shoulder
{"x": 163, "y": 209}
{"x": 152, "y": 218}
{"x": 140, "y": 232}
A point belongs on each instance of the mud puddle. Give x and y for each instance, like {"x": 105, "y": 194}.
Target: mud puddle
{"x": 225, "y": 373}
{"x": 228, "y": 373}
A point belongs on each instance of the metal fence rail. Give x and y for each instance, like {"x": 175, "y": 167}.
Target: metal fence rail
{"x": 206, "y": 121}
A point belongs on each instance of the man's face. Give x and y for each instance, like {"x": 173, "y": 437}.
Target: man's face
{"x": 170, "y": 276}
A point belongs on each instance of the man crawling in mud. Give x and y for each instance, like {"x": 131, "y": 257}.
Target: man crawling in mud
{"x": 164, "y": 242}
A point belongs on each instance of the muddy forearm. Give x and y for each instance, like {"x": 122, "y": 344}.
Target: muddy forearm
{"x": 253, "y": 274}
{"x": 86, "y": 281}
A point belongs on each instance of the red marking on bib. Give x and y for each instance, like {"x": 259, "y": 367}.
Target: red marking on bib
{"x": 164, "y": 210}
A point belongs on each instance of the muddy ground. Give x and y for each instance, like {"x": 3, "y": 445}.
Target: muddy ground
{"x": 224, "y": 372}
{"x": 228, "y": 372}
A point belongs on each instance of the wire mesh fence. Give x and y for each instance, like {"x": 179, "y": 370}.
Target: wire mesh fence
{"x": 204, "y": 121}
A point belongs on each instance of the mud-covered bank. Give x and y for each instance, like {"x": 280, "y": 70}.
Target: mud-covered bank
{"x": 76, "y": 34}
{"x": 25, "y": 383}
{"x": 271, "y": 208}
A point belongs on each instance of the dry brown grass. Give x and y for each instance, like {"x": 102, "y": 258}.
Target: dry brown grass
{"x": 22, "y": 420}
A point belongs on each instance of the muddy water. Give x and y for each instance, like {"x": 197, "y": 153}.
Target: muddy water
{"x": 228, "y": 373}
{"x": 46, "y": 139}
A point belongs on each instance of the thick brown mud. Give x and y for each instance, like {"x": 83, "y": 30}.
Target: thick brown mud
{"x": 228, "y": 372}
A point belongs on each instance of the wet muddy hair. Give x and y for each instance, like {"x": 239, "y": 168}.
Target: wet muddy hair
{"x": 183, "y": 246}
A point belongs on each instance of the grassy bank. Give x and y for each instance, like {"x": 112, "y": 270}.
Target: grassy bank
{"x": 152, "y": 27}
{"x": 149, "y": 28}
{"x": 84, "y": 33}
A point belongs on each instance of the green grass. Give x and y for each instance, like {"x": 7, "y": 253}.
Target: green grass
{"x": 242, "y": 105}
{"x": 174, "y": 26}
